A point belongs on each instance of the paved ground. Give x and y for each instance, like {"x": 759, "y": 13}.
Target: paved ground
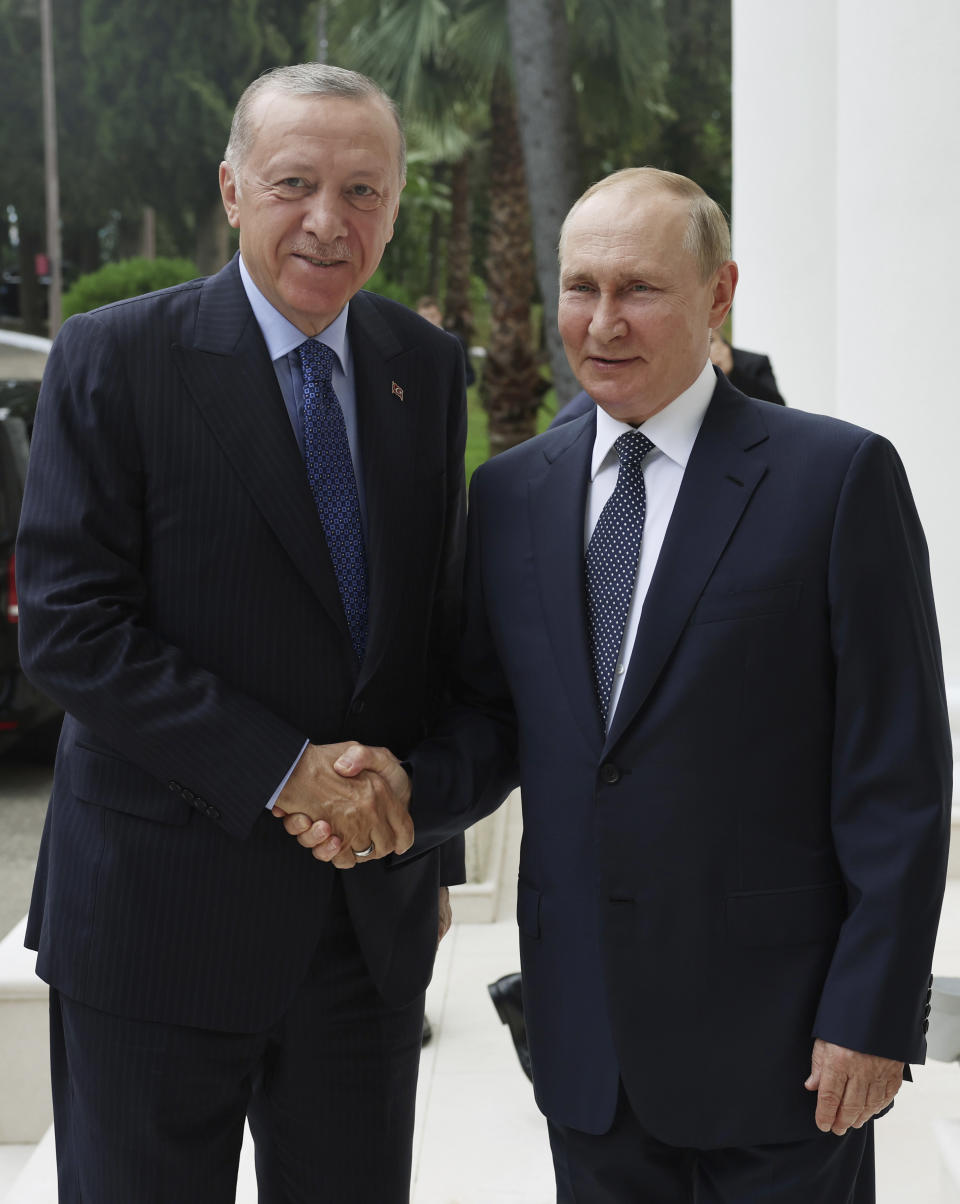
{"x": 24, "y": 790}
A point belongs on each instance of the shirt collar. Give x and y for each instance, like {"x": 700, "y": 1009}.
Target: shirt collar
{"x": 672, "y": 430}
{"x": 280, "y": 334}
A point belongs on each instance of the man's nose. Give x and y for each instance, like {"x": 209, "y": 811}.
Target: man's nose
{"x": 607, "y": 321}
{"x": 324, "y": 216}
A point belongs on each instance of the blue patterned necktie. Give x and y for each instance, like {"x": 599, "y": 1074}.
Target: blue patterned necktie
{"x": 613, "y": 554}
{"x": 334, "y": 486}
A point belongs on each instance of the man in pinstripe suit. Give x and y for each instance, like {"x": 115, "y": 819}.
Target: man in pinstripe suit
{"x": 181, "y": 597}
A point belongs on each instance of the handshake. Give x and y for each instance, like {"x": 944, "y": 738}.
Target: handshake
{"x": 348, "y": 803}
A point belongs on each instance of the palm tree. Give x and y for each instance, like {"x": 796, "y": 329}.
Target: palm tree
{"x": 446, "y": 64}
{"x": 512, "y": 387}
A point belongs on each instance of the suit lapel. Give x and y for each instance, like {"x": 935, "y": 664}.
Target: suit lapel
{"x": 388, "y": 383}
{"x": 557, "y": 507}
{"x": 231, "y": 379}
{"x": 719, "y": 480}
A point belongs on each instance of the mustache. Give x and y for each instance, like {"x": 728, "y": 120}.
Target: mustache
{"x": 338, "y": 249}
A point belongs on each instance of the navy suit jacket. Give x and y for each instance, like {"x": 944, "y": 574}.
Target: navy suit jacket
{"x": 178, "y": 600}
{"x": 754, "y": 854}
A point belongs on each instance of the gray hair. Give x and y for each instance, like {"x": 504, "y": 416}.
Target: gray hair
{"x": 707, "y": 236}
{"x": 306, "y": 79}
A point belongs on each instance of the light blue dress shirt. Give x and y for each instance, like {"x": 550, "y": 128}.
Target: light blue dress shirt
{"x": 283, "y": 339}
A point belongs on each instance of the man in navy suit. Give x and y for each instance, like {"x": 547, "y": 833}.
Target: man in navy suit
{"x": 216, "y": 619}
{"x": 700, "y": 632}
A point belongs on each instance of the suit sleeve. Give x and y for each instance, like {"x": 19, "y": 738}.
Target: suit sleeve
{"x": 85, "y": 632}
{"x": 468, "y": 765}
{"x": 892, "y": 763}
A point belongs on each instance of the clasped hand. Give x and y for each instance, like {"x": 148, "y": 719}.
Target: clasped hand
{"x": 342, "y": 798}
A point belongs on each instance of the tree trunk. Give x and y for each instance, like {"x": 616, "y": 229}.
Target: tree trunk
{"x": 512, "y": 386}
{"x": 457, "y": 310}
{"x": 212, "y": 240}
{"x": 548, "y": 133}
{"x": 148, "y": 232}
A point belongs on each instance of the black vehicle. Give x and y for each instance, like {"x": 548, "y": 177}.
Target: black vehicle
{"x": 27, "y": 717}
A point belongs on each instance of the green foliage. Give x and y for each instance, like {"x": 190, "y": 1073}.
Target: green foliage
{"x": 694, "y": 137}
{"x": 404, "y": 271}
{"x": 478, "y": 439}
{"x": 128, "y": 278}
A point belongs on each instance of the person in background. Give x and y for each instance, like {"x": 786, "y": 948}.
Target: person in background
{"x": 748, "y": 371}
{"x": 241, "y": 546}
{"x": 428, "y": 308}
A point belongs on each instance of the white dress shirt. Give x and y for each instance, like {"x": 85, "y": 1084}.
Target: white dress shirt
{"x": 673, "y": 431}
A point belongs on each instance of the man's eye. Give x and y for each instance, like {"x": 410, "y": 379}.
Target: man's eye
{"x": 640, "y": 288}
{"x": 363, "y": 196}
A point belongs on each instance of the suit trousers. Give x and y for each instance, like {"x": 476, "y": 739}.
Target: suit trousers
{"x": 627, "y": 1165}
{"x": 154, "y": 1113}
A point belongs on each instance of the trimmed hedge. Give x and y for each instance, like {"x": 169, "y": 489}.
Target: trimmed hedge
{"x": 128, "y": 278}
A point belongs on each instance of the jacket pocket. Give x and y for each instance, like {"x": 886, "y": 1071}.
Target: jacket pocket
{"x": 799, "y": 916}
{"x": 747, "y": 603}
{"x": 528, "y": 909}
{"x": 111, "y": 781}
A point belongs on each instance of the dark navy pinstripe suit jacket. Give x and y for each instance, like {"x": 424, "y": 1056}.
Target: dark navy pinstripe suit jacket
{"x": 177, "y": 599}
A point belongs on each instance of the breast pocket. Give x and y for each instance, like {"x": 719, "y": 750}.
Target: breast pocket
{"x": 721, "y": 606}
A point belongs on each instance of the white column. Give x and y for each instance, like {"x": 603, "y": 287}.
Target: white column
{"x": 845, "y": 202}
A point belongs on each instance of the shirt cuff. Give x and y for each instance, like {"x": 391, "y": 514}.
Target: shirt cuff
{"x": 286, "y": 777}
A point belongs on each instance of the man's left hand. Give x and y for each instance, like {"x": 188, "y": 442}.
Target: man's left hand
{"x": 851, "y": 1087}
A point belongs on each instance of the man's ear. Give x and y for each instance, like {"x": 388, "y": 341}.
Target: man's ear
{"x": 724, "y": 286}
{"x": 228, "y": 191}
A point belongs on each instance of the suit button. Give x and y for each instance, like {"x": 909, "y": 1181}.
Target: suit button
{"x": 187, "y": 794}
{"x": 609, "y": 773}
{"x": 357, "y": 706}
{"x": 175, "y": 786}
{"x": 212, "y": 812}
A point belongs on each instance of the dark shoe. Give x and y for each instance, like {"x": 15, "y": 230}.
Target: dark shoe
{"x": 507, "y": 998}
{"x": 427, "y": 1035}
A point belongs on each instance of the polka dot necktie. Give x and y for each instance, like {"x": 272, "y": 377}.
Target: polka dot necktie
{"x": 334, "y": 486}
{"x": 613, "y": 554}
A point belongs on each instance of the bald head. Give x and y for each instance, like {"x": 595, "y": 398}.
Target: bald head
{"x": 707, "y": 235}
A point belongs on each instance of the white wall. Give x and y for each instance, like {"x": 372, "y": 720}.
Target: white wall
{"x": 846, "y": 203}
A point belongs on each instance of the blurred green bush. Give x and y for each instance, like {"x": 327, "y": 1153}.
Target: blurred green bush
{"x": 127, "y": 278}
